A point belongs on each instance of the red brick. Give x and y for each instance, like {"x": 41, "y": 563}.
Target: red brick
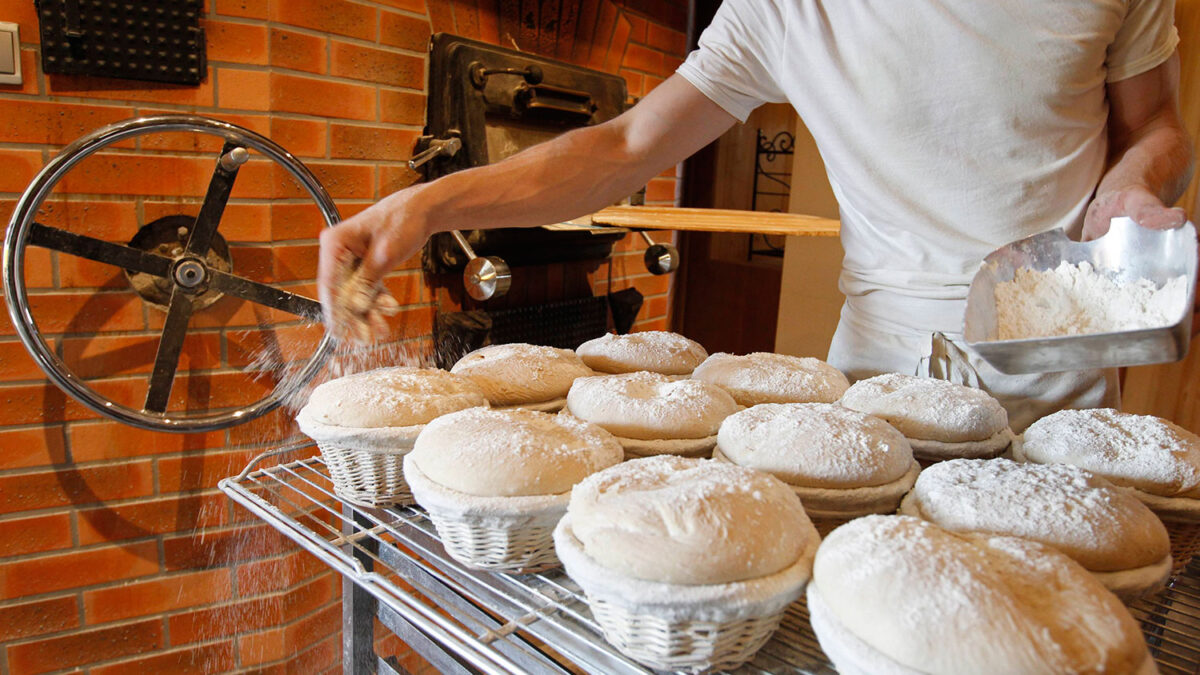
{"x": 90, "y": 86}
{"x": 200, "y": 471}
{"x": 162, "y": 515}
{"x": 271, "y": 428}
{"x": 274, "y": 644}
{"x": 38, "y": 618}
{"x": 328, "y": 16}
{"x": 305, "y": 95}
{"x": 25, "y": 16}
{"x": 53, "y": 123}
{"x": 250, "y": 615}
{"x": 412, "y": 323}
{"x": 186, "y": 141}
{"x": 99, "y": 356}
{"x": 276, "y": 574}
{"x": 16, "y": 363}
{"x": 489, "y": 27}
{"x": 417, "y": 6}
{"x": 408, "y": 288}
{"x": 83, "y": 648}
{"x": 303, "y": 138}
{"x": 26, "y": 448}
{"x": 163, "y": 594}
{"x": 83, "y": 312}
{"x": 39, "y": 271}
{"x": 466, "y": 17}
{"x": 77, "y": 569}
{"x": 617, "y": 47}
{"x": 360, "y": 142}
{"x": 29, "y": 74}
{"x": 213, "y": 549}
{"x": 376, "y": 65}
{"x": 296, "y": 221}
{"x": 601, "y": 39}
{"x": 660, "y": 190}
{"x": 248, "y": 9}
{"x": 393, "y": 178}
{"x": 285, "y": 343}
{"x": 299, "y": 51}
{"x": 35, "y": 535}
{"x": 401, "y": 107}
{"x": 633, "y": 82}
{"x": 139, "y": 175}
{"x": 667, "y": 40}
{"x": 86, "y": 485}
{"x": 236, "y": 42}
{"x": 652, "y": 82}
{"x": 200, "y": 660}
{"x": 404, "y": 31}
{"x": 344, "y": 181}
{"x": 244, "y": 89}
{"x": 640, "y": 58}
{"x": 654, "y": 307}
{"x": 20, "y": 166}
{"x": 115, "y": 221}
{"x": 659, "y": 323}
{"x": 246, "y": 222}
{"x": 441, "y": 18}
{"x": 76, "y": 272}
{"x": 111, "y": 440}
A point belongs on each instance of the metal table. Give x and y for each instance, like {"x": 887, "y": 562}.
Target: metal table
{"x": 465, "y": 621}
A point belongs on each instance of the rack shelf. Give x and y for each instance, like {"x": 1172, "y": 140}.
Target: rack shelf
{"x": 463, "y": 620}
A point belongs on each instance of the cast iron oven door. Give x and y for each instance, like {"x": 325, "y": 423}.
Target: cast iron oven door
{"x": 497, "y": 102}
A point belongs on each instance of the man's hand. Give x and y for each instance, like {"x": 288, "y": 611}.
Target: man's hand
{"x": 1138, "y": 203}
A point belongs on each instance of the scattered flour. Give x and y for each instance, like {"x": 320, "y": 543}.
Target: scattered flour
{"x": 1079, "y": 299}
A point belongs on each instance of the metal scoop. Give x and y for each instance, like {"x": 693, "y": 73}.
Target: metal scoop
{"x": 1128, "y": 252}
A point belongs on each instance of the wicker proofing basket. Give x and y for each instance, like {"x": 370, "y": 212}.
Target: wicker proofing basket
{"x": 498, "y": 534}
{"x": 694, "y": 629}
{"x": 365, "y": 464}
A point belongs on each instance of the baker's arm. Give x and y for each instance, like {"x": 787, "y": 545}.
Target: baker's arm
{"x": 1150, "y": 155}
{"x": 574, "y": 174}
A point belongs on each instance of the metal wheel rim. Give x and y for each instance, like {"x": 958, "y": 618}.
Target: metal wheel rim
{"x": 13, "y": 266}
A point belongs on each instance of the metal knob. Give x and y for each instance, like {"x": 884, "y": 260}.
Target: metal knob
{"x": 437, "y": 148}
{"x": 659, "y": 258}
{"x": 484, "y": 277}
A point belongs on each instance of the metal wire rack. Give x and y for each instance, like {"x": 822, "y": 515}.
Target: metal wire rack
{"x": 464, "y": 620}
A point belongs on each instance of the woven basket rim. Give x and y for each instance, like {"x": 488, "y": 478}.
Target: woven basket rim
{"x": 450, "y": 503}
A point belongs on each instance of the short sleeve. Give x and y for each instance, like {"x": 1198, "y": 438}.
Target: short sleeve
{"x": 1147, "y": 37}
{"x": 738, "y": 56}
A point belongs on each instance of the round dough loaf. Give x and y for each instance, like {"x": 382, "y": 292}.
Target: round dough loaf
{"x": 929, "y": 409}
{"x": 391, "y": 397}
{"x": 509, "y": 453}
{"x": 1138, "y": 451}
{"x": 522, "y": 374}
{"x": 650, "y": 406}
{"x": 763, "y": 377}
{"x": 688, "y": 521}
{"x": 1098, "y": 525}
{"x": 655, "y": 351}
{"x": 920, "y": 598}
{"x": 816, "y": 445}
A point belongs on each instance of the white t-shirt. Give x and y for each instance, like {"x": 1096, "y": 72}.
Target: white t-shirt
{"x": 948, "y": 127}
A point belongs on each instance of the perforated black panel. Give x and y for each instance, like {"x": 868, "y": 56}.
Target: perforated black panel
{"x": 158, "y": 40}
{"x": 565, "y": 324}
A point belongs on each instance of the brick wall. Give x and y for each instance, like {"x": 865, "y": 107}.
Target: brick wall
{"x": 117, "y": 553}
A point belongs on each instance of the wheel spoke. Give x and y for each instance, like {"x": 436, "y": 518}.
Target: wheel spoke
{"x": 166, "y": 361}
{"x": 265, "y": 295}
{"x": 99, "y": 250}
{"x": 219, "y": 188}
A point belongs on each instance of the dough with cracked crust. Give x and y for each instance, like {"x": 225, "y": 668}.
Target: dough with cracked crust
{"x": 1100, "y": 526}
{"x": 509, "y": 453}
{"x": 656, "y": 351}
{"x": 763, "y": 377}
{"x": 919, "y": 598}
{"x": 520, "y": 373}
{"x": 816, "y": 445}
{"x": 391, "y": 397}
{"x": 928, "y": 409}
{"x": 1138, "y": 451}
{"x": 688, "y": 521}
{"x": 650, "y": 406}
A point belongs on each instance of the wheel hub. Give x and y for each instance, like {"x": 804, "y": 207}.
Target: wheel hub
{"x": 190, "y": 273}
{"x": 168, "y": 237}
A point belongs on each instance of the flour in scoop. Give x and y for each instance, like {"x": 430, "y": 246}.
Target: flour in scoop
{"x": 1079, "y": 299}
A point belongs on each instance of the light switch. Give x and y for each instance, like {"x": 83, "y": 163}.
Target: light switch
{"x": 10, "y": 53}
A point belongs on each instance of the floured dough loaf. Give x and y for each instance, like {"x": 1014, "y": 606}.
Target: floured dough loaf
{"x": 521, "y": 374}
{"x": 1139, "y": 451}
{"x": 688, "y": 521}
{"x": 763, "y": 377}
{"x": 655, "y": 351}
{"x": 840, "y": 462}
{"x": 1100, "y": 526}
{"x": 506, "y": 453}
{"x": 650, "y": 406}
{"x": 941, "y": 419}
{"x": 391, "y": 397}
{"x": 894, "y": 594}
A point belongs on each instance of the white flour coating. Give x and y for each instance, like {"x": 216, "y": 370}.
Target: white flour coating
{"x": 934, "y": 601}
{"x": 391, "y": 397}
{"x": 1139, "y": 451}
{"x": 655, "y": 350}
{"x": 650, "y": 406}
{"x": 763, "y": 377}
{"x": 1079, "y": 300}
{"x": 516, "y": 374}
{"x": 688, "y": 521}
{"x": 506, "y": 453}
{"x": 816, "y": 445}
{"x": 1100, "y": 526}
{"x": 924, "y": 408}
